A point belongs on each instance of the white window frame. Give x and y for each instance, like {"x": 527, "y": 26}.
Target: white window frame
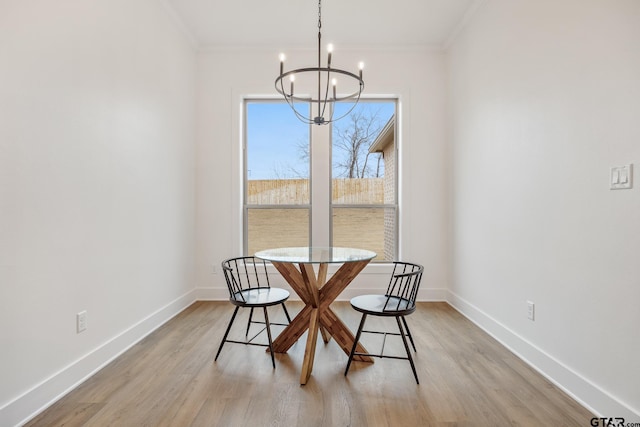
{"x": 320, "y": 205}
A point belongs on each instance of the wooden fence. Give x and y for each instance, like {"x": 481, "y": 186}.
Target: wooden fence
{"x": 296, "y": 191}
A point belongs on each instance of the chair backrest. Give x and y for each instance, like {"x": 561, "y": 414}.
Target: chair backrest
{"x": 244, "y": 273}
{"x": 403, "y": 286}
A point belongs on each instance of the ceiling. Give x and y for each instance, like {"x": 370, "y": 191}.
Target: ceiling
{"x": 294, "y": 23}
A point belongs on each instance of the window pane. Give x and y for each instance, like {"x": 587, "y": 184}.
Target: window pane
{"x": 364, "y": 174}
{"x": 363, "y": 147}
{"x": 274, "y": 228}
{"x": 277, "y": 156}
{"x": 369, "y": 228}
{"x": 277, "y": 177}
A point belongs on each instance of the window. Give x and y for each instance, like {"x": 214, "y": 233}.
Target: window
{"x": 277, "y": 186}
{"x": 293, "y": 171}
{"x": 364, "y": 180}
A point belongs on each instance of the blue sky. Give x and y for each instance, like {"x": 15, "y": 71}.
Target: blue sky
{"x": 274, "y": 134}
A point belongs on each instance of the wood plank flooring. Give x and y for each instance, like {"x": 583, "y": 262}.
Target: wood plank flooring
{"x": 170, "y": 379}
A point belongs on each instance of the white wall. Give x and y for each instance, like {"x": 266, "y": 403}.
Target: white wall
{"x": 97, "y": 203}
{"x": 545, "y": 97}
{"x": 416, "y": 77}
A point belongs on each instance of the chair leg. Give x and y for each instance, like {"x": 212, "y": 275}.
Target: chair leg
{"x": 355, "y": 343}
{"x": 249, "y": 322}
{"x": 226, "y": 333}
{"x": 406, "y": 347}
{"x": 406, "y": 326}
{"x": 286, "y": 313}
{"x": 266, "y": 320}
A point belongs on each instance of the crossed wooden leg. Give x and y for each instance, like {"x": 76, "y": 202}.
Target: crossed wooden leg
{"x": 317, "y": 293}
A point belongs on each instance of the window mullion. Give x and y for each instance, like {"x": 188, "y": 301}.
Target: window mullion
{"x": 320, "y": 185}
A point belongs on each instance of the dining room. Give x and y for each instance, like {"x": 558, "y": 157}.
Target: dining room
{"x": 123, "y": 186}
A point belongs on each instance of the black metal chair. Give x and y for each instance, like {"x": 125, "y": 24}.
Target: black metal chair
{"x": 249, "y": 287}
{"x": 398, "y": 301}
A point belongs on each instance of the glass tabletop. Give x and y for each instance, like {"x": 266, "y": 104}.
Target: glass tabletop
{"x": 315, "y": 255}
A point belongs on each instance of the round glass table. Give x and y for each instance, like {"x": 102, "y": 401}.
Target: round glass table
{"x": 316, "y": 255}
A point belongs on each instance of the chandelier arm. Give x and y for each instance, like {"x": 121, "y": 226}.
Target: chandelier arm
{"x": 302, "y": 118}
{"x": 281, "y": 89}
{"x": 347, "y": 113}
{"x": 308, "y": 121}
{"x": 290, "y": 101}
{"x": 326, "y": 92}
{"x": 299, "y": 115}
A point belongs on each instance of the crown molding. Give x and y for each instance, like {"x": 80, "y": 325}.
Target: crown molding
{"x": 420, "y": 48}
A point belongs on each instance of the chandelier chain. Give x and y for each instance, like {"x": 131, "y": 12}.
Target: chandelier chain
{"x": 319, "y": 15}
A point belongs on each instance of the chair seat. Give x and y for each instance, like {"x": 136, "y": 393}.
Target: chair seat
{"x": 375, "y": 305}
{"x": 260, "y": 297}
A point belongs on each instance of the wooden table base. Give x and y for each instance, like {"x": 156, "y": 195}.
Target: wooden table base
{"x": 317, "y": 293}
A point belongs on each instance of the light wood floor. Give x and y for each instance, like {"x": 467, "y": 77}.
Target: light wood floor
{"x": 170, "y": 379}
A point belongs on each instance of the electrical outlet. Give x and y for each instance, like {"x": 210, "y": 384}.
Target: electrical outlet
{"x": 531, "y": 310}
{"x": 81, "y": 321}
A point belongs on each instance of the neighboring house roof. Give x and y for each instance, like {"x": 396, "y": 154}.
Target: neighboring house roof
{"x": 385, "y": 137}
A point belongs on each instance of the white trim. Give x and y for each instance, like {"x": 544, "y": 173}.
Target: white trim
{"x": 260, "y": 48}
{"x": 424, "y": 295}
{"x": 31, "y": 403}
{"x": 372, "y": 280}
{"x": 581, "y": 389}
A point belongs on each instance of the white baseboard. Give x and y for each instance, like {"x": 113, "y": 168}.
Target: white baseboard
{"x": 373, "y": 280}
{"x": 31, "y": 403}
{"x": 425, "y": 294}
{"x": 585, "y": 392}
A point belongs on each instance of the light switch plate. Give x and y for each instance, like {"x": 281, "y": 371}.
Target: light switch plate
{"x": 621, "y": 177}
{"x": 81, "y": 321}
{"x": 531, "y": 310}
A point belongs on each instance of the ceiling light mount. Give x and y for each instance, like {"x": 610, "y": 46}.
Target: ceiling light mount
{"x": 324, "y": 87}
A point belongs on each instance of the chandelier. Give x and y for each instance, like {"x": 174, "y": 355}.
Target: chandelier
{"x": 323, "y": 92}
